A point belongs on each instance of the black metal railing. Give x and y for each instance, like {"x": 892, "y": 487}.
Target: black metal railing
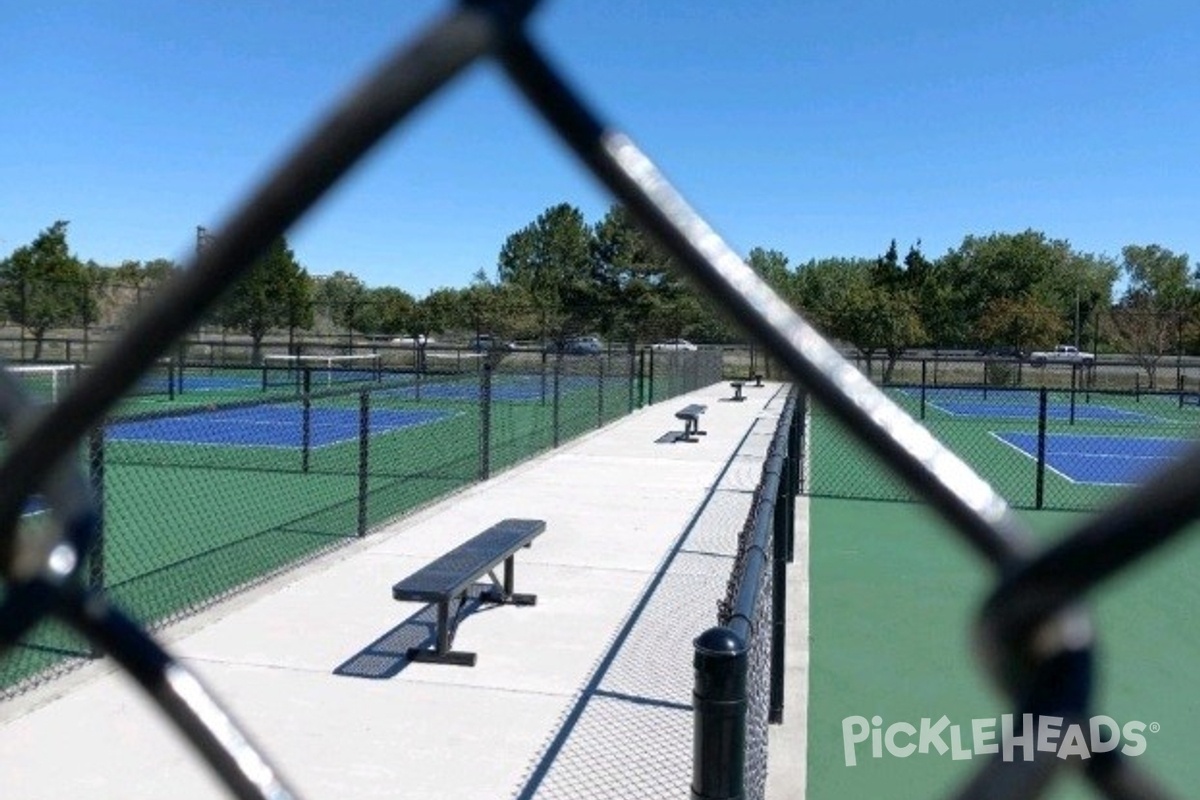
{"x": 739, "y": 663}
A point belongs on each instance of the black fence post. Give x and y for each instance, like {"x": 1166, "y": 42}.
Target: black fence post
{"x": 641, "y": 379}
{"x": 96, "y": 566}
{"x": 557, "y": 398}
{"x": 719, "y": 715}
{"x": 779, "y": 562}
{"x": 485, "y": 422}
{"x": 600, "y": 391}
{"x": 543, "y": 377}
{"x": 650, "y": 375}
{"x": 364, "y": 439}
{"x": 1074, "y": 380}
{"x": 1040, "y": 489}
{"x": 796, "y": 473}
{"x": 629, "y": 380}
{"x": 305, "y": 432}
{"x": 923, "y": 384}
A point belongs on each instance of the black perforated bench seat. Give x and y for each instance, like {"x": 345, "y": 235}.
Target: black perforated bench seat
{"x": 691, "y": 422}
{"x": 448, "y": 578}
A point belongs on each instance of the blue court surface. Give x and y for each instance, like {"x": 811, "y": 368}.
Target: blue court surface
{"x": 1106, "y": 460}
{"x": 1019, "y": 405}
{"x": 219, "y": 383}
{"x": 268, "y": 426}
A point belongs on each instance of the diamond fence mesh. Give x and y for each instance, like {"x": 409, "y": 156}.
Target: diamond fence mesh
{"x": 243, "y": 472}
{"x": 1041, "y": 448}
{"x": 1037, "y": 640}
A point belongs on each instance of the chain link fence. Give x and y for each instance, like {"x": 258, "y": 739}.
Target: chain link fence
{"x": 739, "y": 664}
{"x": 233, "y": 474}
{"x": 1041, "y": 448}
{"x": 1036, "y": 635}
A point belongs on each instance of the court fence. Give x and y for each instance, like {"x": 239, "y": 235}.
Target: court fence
{"x": 739, "y": 663}
{"x": 203, "y": 499}
{"x": 1041, "y": 448}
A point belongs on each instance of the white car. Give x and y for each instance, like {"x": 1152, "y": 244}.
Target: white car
{"x": 674, "y": 344}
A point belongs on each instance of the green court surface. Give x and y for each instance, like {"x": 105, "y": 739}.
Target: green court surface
{"x": 893, "y": 600}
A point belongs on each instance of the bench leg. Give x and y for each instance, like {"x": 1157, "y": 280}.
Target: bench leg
{"x": 442, "y": 654}
{"x": 502, "y": 593}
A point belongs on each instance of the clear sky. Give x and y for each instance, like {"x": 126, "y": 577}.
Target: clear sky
{"x": 814, "y": 127}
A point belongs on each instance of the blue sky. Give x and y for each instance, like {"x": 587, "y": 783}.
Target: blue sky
{"x": 814, "y": 128}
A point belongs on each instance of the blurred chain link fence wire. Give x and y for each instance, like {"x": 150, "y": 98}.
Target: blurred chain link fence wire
{"x": 1035, "y": 637}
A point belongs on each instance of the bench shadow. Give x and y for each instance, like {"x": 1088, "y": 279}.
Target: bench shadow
{"x": 387, "y": 656}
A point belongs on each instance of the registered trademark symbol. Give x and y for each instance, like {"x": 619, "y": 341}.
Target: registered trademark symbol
{"x": 1155, "y": 727}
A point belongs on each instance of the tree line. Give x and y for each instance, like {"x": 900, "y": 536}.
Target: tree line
{"x": 560, "y": 276}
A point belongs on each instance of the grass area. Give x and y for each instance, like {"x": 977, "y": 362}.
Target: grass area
{"x": 894, "y": 597}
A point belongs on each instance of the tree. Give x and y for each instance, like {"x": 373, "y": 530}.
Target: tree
{"x": 551, "y": 260}
{"x": 342, "y": 298}
{"x": 393, "y": 310}
{"x": 1150, "y": 317}
{"x": 641, "y": 295}
{"x": 44, "y": 286}
{"x": 271, "y": 294}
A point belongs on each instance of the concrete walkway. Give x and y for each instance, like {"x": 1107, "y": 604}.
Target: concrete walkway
{"x": 586, "y": 694}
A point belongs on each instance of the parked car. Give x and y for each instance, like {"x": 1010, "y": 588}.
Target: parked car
{"x": 412, "y": 341}
{"x": 583, "y": 345}
{"x": 1062, "y": 354}
{"x": 674, "y": 344}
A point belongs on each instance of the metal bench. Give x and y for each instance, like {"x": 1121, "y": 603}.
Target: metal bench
{"x": 737, "y": 390}
{"x": 448, "y": 579}
{"x": 691, "y": 422}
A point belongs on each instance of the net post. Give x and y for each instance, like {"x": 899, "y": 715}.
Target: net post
{"x": 304, "y": 379}
{"x": 720, "y": 661}
{"x": 485, "y": 421}
{"x": 364, "y": 440}
{"x": 1040, "y": 487}
{"x": 171, "y": 379}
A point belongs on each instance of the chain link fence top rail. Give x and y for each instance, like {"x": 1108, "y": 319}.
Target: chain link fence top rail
{"x": 1035, "y": 636}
